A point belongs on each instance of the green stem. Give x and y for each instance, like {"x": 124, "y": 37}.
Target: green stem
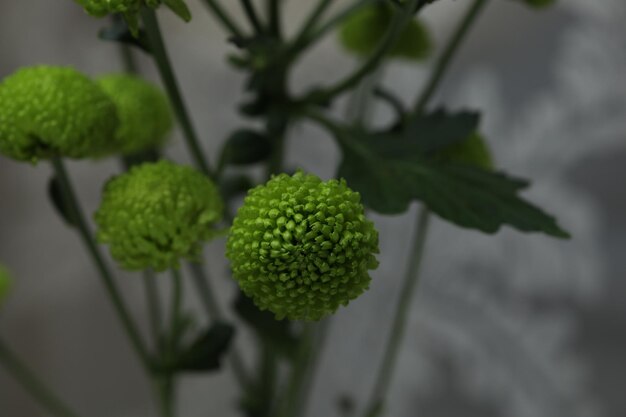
{"x": 274, "y": 18}
{"x": 213, "y": 309}
{"x": 166, "y": 71}
{"x": 312, "y": 21}
{"x": 293, "y": 395}
{"x": 443, "y": 63}
{"x": 224, "y": 18}
{"x": 154, "y": 308}
{"x": 98, "y": 259}
{"x": 400, "y": 21}
{"x": 388, "y": 365}
{"x": 252, "y": 15}
{"x": 32, "y": 384}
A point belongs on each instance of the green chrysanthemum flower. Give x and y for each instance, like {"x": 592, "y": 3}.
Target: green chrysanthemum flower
{"x": 5, "y": 283}
{"x": 46, "y": 111}
{"x": 156, "y": 214}
{"x": 362, "y": 33}
{"x": 300, "y": 247}
{"x": 130, "y": 9}
{"x": 144, "y": 112}
{"x": 472, "y": 151}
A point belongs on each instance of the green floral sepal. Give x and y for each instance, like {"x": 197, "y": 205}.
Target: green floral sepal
{"x": 130, "y": 9}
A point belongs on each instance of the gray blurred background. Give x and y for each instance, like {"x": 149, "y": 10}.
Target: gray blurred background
{"x": 512, "y": 325}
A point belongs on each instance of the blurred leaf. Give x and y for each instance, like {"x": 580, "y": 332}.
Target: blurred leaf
{"x": 233, "y": 186}
{"x": 278, "y": 333}
{"x": 206, "y": 352}
{"x": 179, "y": 8}
{"x": 471, "y": 151}
{"x": 245, "y": 147}
{"x": 56, "y": 195}
{"x": 392, "y": 169}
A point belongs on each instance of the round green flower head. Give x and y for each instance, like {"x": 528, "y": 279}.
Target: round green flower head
{"x": 361, "y": 34}
{"x": 5, "y": 283}
{"x": 47, "y": 111}
{"x": 130, "y": 9}
{"x": 471, "y": 151}
{"x": 156, "y": 214}
{"x": 301, "y": 247}
{"x": 144, "y": 112}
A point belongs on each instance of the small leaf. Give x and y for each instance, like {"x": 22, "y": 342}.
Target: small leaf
{"x": 471, "y": 151}
{"x": 392, "y": 169}
{"x": 245, "y": 147}
{"x": 179, "y": 8}
{"x": 276, "y": 332}
{"x": 362, "y": 33}
{"x": 56, "y": 195}
{"x": 206, "y": 352}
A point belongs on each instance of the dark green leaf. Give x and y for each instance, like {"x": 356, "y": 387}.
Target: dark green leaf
{"x": 179, "y": 8}
{"x": 245, "y": 147}
{"x": 430, "y": 132}
{"x": 206, "y": 352}
{"x": 55, "y": 193}
{"x": 392, "y": 170}
{"x": 278, "y": 333}
{"x": 233, "y": 186}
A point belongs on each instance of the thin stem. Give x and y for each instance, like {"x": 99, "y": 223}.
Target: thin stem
{"x": 401, "y": 19}
{"x": 224, "y": 18}
{"x": 443, "y": 63}
{"x": 307, "y": 383}
{"x": 98, "y": 259}
{"x": 252, "y": 15}
{"x": 154, "y": 307}
{"x": 176, "y": 309}
{"x": 274, "y": 17}
{"x": 128, "y": 59}
{"x": 388, "y": 364}
{"x": 292, "y": 396}
{"x": 166, "y": 71}
{"x": 213, "y": 309}
{"x": 32, "y": 384}
{"x": 312, "y": 21}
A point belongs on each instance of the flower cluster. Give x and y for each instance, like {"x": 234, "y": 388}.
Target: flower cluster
{"x": 57, "y": 111}
{"x": 156, "y": 214}
{"x": 301, "y": 247}
{"x": 130, "y": 9}
{"x": 144, "y": 112}
{"x": 47, "y": 111}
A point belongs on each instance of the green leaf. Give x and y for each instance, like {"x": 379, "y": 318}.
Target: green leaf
{"x": 471, "y": 151}
{"x": 539, "y": 4}
{"x": 391, "y": 170}
{"x": 206, "y": 352}
{"x": 56, "y": 195}
{"x": 277, "y": 333}
{"x": 179, "y": 8}
{"x": 362, "y": 32}
{"x": 245, "y": 147}
{"x": 233, "y": 186}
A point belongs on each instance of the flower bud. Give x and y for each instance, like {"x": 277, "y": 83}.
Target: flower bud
{"x": 301, "y": 247}
{"x": 47, "y": 111}
{"x": 144, "y": 113}
{"x": 156, "y": 214}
